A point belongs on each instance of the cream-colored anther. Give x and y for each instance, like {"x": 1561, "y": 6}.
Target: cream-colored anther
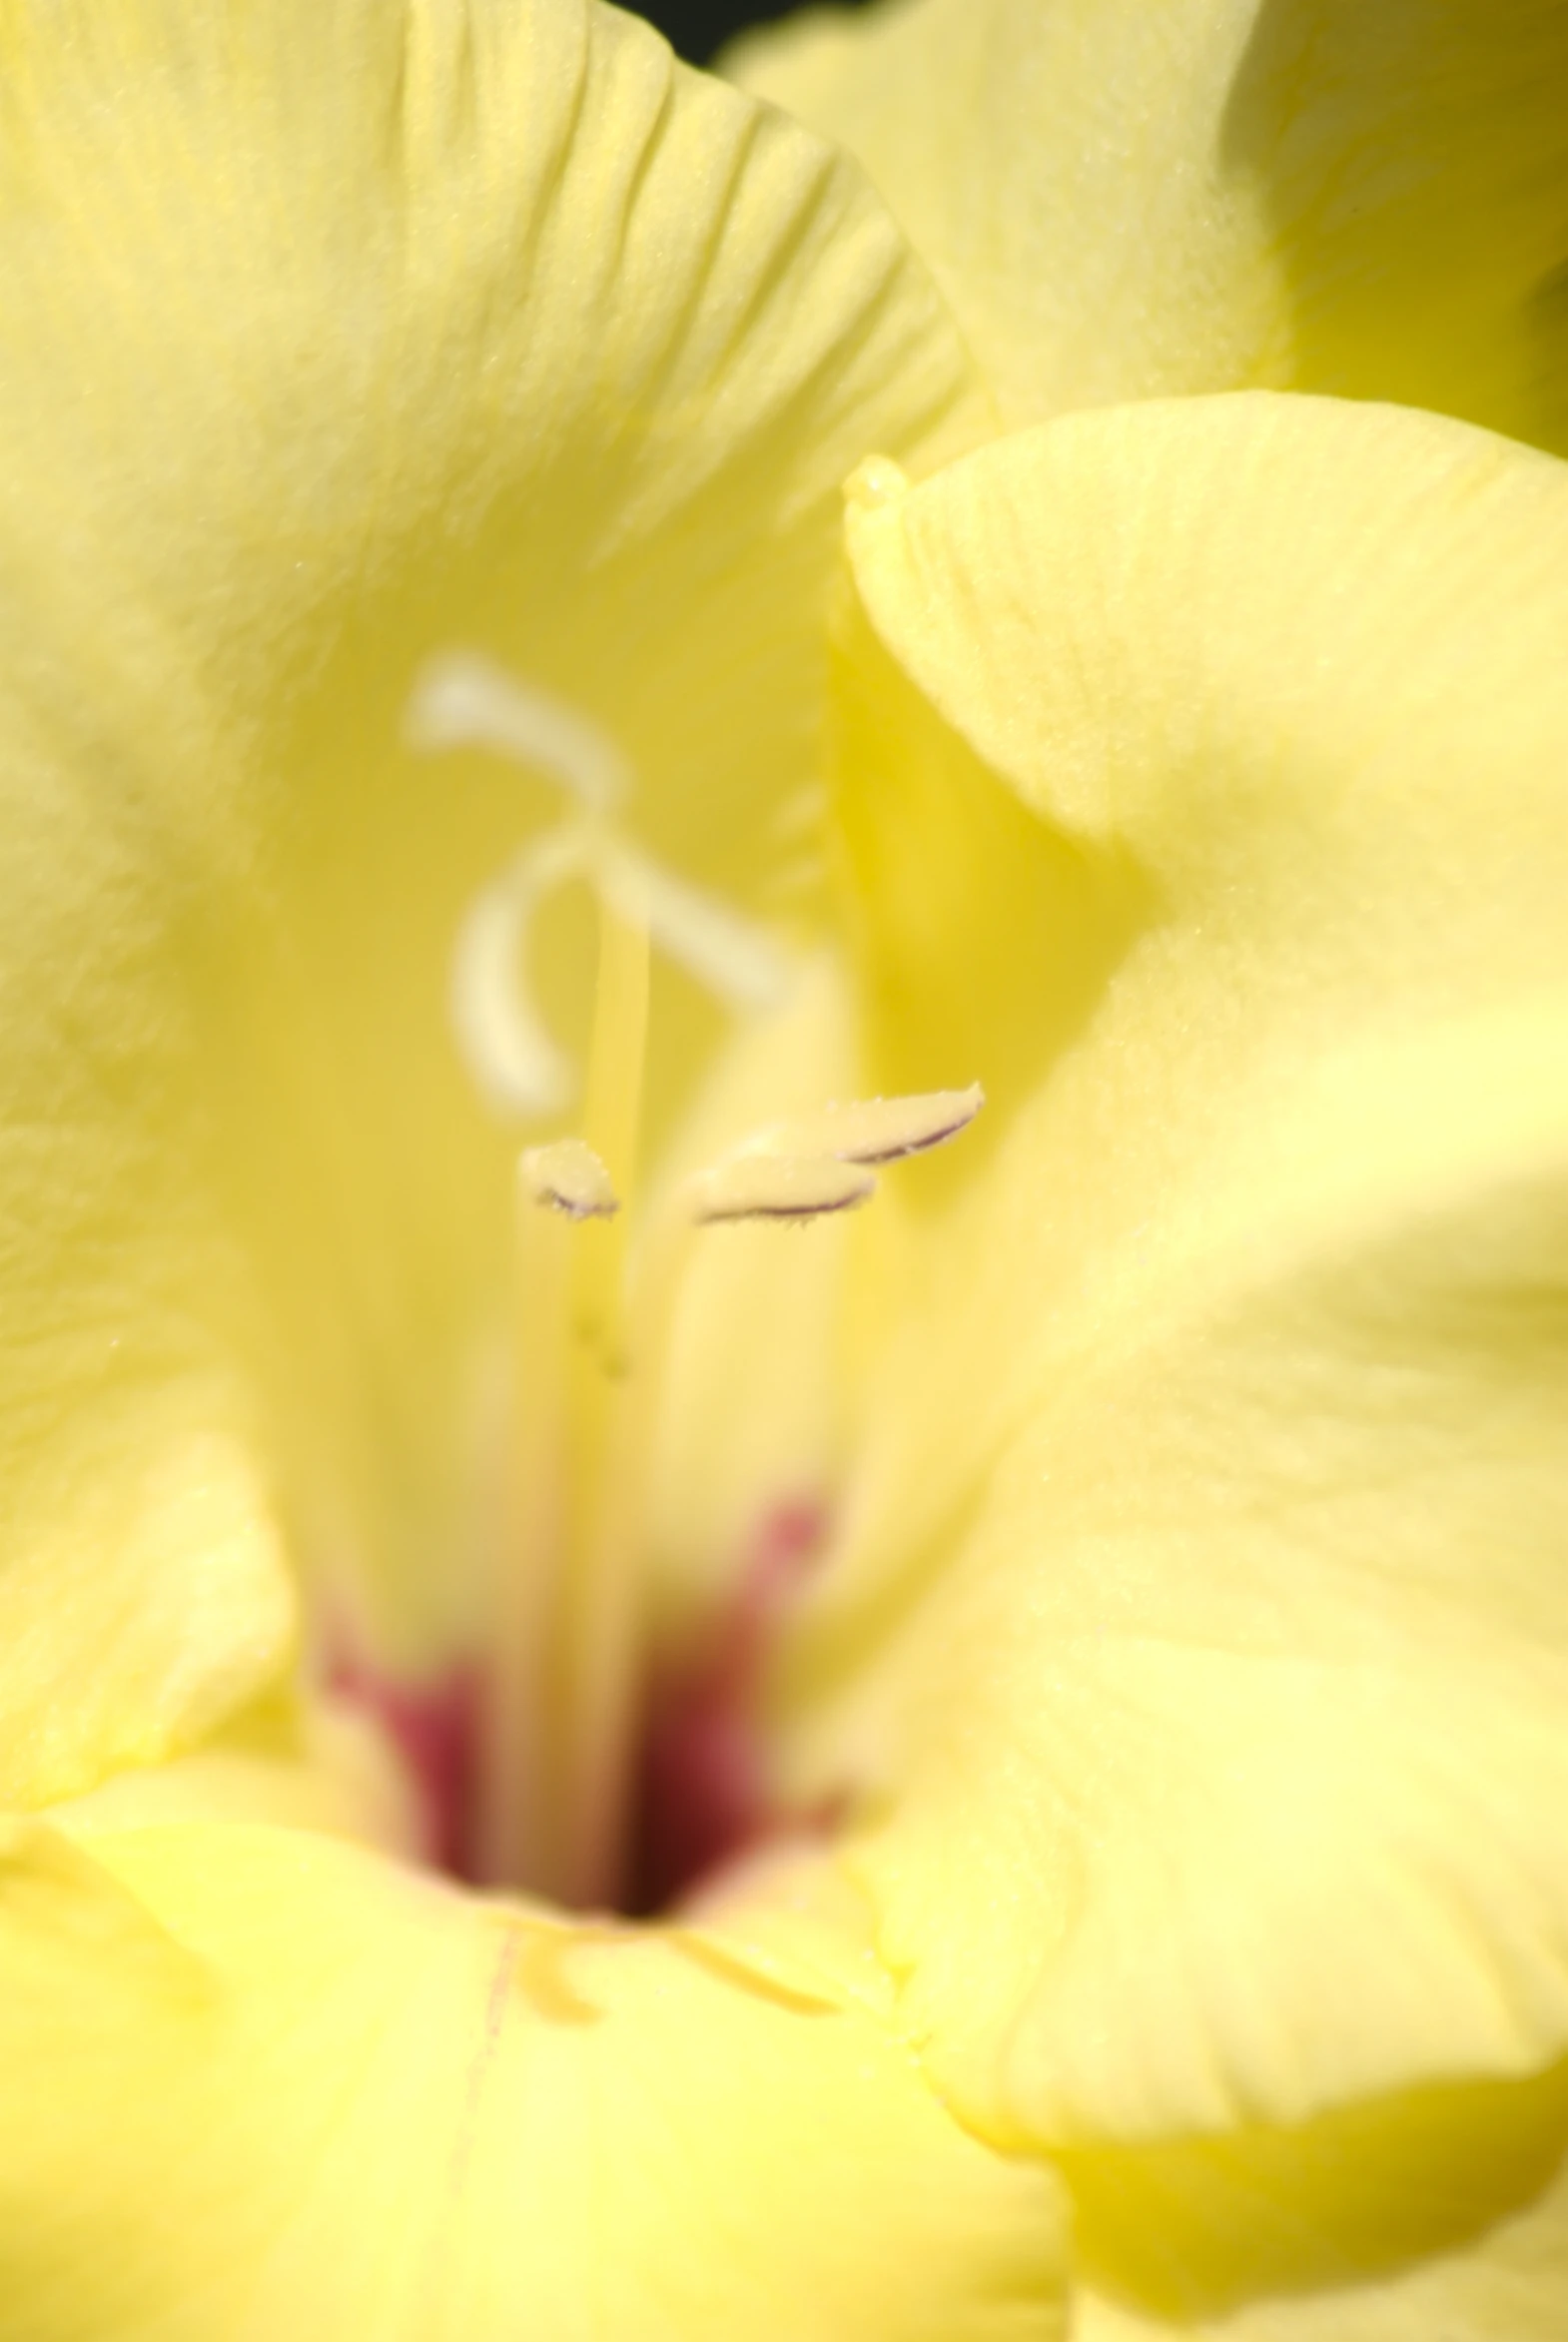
{"x": 875, "y": 1129}
{"x": 768, "y": 1187}
{"x": 568, "y": 1176}
{"x": 465, "y": 701}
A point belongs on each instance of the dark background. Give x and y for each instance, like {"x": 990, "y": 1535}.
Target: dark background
{"x": 695, "y": 28}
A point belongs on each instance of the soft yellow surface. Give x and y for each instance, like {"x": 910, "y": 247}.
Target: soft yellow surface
{"x": 1198, "y": 1616}
{"x": 1436, "y": 2213}
{"x": 1189, "y": 1663}
{"x": 333, "y": 336}
{"x": 278, "y": 2087}
{"x": 300, "y": 1763}
{"x": 1138, "y": 198}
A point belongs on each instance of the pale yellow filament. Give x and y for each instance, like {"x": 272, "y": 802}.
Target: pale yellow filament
{"x": 566, "y": 1622}
{"x": 520, "y": 1711}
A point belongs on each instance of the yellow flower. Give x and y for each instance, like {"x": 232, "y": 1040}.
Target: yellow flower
{"x": 1177, "y": 1931}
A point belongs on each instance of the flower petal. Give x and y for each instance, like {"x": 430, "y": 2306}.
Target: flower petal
{"x": 337, "y": 335}
{"x": 1213, "y": 1476}
{"x": 260, "y": 2083}
{"x": 1123, "y": 202}
{"x": 314, "y": 1764}
{"x": 1442, "y": 2212}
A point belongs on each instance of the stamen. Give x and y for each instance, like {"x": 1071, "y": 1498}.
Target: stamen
{"x": 568, "y": 1176}
{"x": 575, "y": 1634}
{"x": 567, "y": 1642}
{"x": 565, "y": 1672}
{"x": 606, "y": 1593}
{"x": 515, "y": 1824}
{"x": 875, "y": 1129}
{"x": 767, "y": 1186}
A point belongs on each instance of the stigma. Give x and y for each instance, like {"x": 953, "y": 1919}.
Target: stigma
{"x": 564, "y": 1719}
{"x": 464, "y": 701}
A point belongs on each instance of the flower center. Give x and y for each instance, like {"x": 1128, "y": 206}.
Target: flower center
{"x": 585, "y": 1788}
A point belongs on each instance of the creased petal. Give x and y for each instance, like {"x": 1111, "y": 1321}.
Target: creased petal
{"x": 336, "y": 337}
{"x": 1214, "y": 1477}
{"x": 258, "y": 2084}
{"x": 1310, "y": 194}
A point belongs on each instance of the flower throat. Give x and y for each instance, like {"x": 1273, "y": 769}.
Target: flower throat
{"x": 564, "y": 1720}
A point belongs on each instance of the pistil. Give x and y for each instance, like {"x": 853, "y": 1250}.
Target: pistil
{"x": 512, "y": 1838}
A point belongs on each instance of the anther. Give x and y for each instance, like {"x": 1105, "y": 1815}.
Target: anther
{"x": 767, "y": 1186}
{"x": 823, "y": 1162}
{"x": 875, "y": 1129}
{"x": 568, "y": 1176}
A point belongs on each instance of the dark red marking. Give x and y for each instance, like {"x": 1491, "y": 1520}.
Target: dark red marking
{"x": 435, "y": 1729}
{"x": 701, "y": 1791}
{"x": 701, "y": 1796}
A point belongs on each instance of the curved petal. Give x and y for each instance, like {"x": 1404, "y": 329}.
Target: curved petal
{"x": 316, "y": 1764}
{"x": 1124, "y": 202}
{"x": 335, "y": 336}
{"x": 1223, "y": 1420}
{"x": 258, "y": 2083}
{"x": 1441, "y": 2213}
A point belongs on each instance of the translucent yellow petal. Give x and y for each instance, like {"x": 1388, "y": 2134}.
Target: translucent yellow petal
{"x": 1441, "y": 2213}
{"x": 336, "y": 337}
{"x": 257, "y": 2084}
{"x": 1197, "y": 1623}
{"x": 1122, "y": 201}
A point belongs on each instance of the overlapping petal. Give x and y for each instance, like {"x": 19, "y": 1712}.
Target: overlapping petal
{"x": 1214, "y": 1481}
{"x": 1301, "y": 194}
{"x": 335, "y": 336}
{"x": 1192, "y": 1661}
{"x": 1440, "y": 2211}
{"x": 277, "y": 2086}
